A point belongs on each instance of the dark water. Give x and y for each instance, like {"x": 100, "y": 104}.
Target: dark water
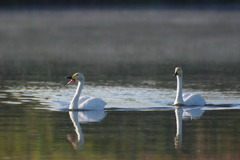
{"x": 40, "y": 134}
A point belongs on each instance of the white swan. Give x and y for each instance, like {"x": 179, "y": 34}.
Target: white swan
{"x": 84, "y": 103}
{"x": 188, "y": 99}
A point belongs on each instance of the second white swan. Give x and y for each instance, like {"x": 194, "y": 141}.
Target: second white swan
{"x": 83, "y": 103}
{"x": 188, "y": 99}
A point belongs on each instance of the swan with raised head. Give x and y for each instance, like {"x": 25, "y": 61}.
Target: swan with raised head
{"x": 188, "y": 99}
{"x": 83, "y": 103}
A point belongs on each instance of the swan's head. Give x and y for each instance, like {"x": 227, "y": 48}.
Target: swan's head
{"x": 76, "y": 77}
{"x": 178, "y": 72}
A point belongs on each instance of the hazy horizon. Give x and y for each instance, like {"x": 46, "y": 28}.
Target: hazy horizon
{"x": 109, "y": 42}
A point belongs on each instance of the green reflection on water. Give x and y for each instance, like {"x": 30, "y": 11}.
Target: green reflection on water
{"x": 41, "y": 134}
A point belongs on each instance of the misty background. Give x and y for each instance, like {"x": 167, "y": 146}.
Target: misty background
{"x": 47, "y": 43}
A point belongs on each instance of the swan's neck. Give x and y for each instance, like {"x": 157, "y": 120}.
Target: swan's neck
{"x": 179, "y": 98}
{"x": 74, "y": 102}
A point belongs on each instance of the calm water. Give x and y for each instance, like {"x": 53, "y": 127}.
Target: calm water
{"x": 138, "y": 122}
{"x": 128, "y": 58}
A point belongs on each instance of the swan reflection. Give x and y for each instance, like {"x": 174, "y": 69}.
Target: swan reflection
{"x": 78, "y": 117}
{"x": 185, "y": 113}
{"x": 178, "y": 137}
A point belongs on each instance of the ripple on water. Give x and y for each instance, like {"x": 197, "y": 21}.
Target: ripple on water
{"x": 117, "y": 97}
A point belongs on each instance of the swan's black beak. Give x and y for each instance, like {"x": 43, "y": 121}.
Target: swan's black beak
{"x": 71, "y": 79}
{"x": 175, "y": 74}
{"x": 68, "y": 77}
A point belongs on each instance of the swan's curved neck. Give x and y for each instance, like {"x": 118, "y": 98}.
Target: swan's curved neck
{"x": 179, "y": 98}
{"x": 74, "y": 102}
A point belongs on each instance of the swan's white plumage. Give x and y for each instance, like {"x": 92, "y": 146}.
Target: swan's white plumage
{"x": 187, "y": 99}
{"x": 84, "y": 103}
{"x": 193, "y": 100}
{"x": 91, "y": 103}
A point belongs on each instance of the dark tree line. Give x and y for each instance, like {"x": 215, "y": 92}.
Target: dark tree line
{"x": 110, "y": 2}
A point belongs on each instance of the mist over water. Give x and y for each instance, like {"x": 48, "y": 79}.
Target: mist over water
{"x": 45, "y": 44}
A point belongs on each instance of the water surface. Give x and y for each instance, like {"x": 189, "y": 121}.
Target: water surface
{"x": 128, "y": 58}
{"x": 139, "y": 122}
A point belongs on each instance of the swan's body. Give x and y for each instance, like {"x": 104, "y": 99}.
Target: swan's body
{"x": 193, "y": 100}
{"x": 84, "y": 103}
{"x": 188, "y": 99}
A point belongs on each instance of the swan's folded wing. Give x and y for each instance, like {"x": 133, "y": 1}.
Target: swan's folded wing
{"x": 194, "y": 100}
{"x": 185, "y": 96}
{"x": 83, "y": 99}
{"x": 92, "y": 104}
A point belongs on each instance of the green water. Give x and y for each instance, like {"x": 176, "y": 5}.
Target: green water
{"x": 40, "y": 134}
{"x": 35, "y": 123}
